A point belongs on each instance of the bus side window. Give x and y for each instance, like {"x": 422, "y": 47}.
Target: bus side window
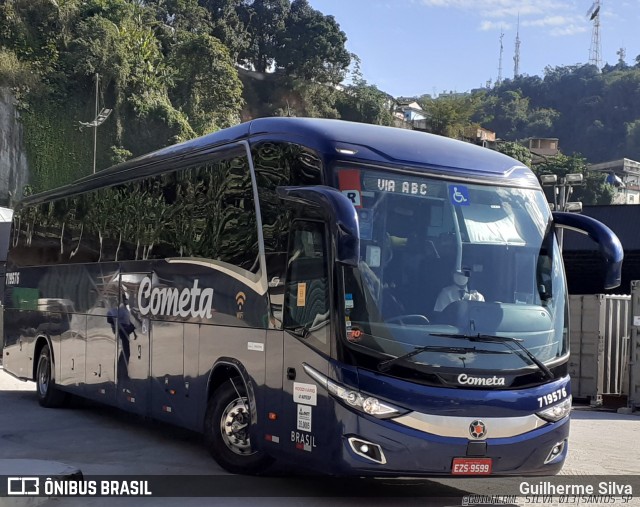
{"x": 307, "y": 307}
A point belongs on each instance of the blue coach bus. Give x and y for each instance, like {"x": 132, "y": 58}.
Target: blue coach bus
{"x": 353, "y": 299}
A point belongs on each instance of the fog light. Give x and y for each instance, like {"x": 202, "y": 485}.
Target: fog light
{"x": 556, "y": 451}
{"x": 367, "y": 450}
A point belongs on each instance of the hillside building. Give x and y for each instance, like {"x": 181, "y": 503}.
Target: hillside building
{"x": 624, "y": 174}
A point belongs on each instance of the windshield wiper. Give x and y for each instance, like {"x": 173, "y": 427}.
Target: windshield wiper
{"x": 488, "y": 338}
{"x": 388, "y": 363}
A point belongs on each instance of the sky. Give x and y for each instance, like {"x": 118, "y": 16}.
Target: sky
{"x": 415, "y": 47}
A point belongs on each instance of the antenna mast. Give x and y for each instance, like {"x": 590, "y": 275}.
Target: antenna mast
{"x": 595, "y": 51}
{"x": 516, "y": 56}
{"x": 499, "y": 80}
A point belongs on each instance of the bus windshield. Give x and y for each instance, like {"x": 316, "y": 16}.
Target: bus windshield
{"x": 443, "y": 261}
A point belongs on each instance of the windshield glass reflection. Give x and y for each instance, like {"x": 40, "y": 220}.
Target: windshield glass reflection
{"x": 447, "y": 257}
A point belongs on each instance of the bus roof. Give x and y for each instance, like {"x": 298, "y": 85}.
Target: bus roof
{"x": 357, "y": 142}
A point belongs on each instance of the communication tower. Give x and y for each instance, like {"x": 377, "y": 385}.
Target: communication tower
{"x": 595, "y": 51}
{"x": 516, "y": 56}
{"x": 499, "y": 80}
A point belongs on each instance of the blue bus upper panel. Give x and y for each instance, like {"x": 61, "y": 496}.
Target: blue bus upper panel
{"x": 416, "y": 151}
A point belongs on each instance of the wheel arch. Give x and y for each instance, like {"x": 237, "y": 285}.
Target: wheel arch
{"x": 40, "y": 342}
{"x": 227, "y": 368}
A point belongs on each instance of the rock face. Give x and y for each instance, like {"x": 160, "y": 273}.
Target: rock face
{"x": 14, "y": 171}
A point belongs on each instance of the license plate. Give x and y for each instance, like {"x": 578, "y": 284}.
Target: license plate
{"x": 471, "y": 466}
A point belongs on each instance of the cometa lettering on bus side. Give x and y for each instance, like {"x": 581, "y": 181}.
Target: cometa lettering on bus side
{"x": 465, "y": 379}
{"x": 194, "y": 301}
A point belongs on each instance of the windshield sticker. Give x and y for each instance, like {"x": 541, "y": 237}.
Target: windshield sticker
{"x": 349, "y": 183}
{"x": 354, "y": 335}
{"x": 459, "y": 195}
{"x": 354, "y": 197}
{"x": 365, "y": 221}
{"x": 302, "y": 293}
{"x": 348, "y": 301}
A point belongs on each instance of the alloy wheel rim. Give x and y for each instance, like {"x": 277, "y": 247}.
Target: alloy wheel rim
{"x": 44, "y": 375}
{"x": 234, "y": 427}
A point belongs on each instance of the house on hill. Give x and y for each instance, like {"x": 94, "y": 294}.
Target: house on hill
{"x": 624, "y": 174}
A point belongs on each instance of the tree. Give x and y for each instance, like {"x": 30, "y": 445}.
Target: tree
{"x": 312, "y": 46}
{"x": 594, "y": 189}
{"x": 505, "y": 113}
{"x": 633, "y": 139}
{"x": 449, "y": 115}
{"x": 207, "y": 87}
{"x": 228, "y": 25}
{"x": 363, "y": 102}
{"x": 264, "y": 20}
{"x": 517, "y": 151}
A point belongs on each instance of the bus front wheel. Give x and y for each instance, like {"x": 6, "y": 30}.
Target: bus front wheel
{"x": 227, "y": 424}
{"x": 48, "y": 394}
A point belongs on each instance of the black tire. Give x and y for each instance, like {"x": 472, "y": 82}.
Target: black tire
{"x": 226, "y": 429}
{"x": 49, "y": 395}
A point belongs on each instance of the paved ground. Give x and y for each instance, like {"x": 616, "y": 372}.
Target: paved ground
{"x": 100, "y": 440}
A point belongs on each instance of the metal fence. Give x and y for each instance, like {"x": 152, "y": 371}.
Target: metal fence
{"x": 634, "y": 353}
{"x": 600, "y": 346}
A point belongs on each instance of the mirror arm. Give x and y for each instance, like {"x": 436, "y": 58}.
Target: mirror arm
{"x": 339, "y": 212}
{"x": 608, "y": 242}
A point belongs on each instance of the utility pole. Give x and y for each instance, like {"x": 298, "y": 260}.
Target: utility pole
{"x": 98, "y": 120}
{"x": 95, "y": 130}
{"x": 562, "y": 190}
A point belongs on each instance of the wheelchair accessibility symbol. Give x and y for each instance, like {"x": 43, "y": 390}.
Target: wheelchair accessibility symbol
{"x": 459, "y": 195}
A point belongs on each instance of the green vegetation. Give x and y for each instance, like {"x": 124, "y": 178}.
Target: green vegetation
{"x": 174, "y": 69}
{"x": 169, "y": 70}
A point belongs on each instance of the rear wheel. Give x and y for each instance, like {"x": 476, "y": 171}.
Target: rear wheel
{"x": 227, "y": 424}
{"x": 48, "y": 394}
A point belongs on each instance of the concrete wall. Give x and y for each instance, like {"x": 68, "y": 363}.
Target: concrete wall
{"x": 14, "y": 173}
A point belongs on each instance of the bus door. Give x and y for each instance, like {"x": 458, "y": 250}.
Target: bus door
{"x": 132, "y": 333}
{"x": 306, "y": 319}
{"x": 101, "y": 347}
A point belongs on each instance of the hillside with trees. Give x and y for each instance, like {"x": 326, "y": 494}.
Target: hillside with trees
{"x": 593, "y": 113}
{"x": 171, "y": 70}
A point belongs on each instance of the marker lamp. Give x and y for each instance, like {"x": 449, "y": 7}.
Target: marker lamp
{"x": 352, "y": 398}
{"x": 557, "y": 412}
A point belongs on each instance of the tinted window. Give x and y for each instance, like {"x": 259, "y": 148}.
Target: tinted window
{"x": 307, "y": 306}
{"x": 205, "y": 211}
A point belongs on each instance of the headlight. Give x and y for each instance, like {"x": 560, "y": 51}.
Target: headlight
{"x": 352, "y": 398}
{"x": 557, "y": 412}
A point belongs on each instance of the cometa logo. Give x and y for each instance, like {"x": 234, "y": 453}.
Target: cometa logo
{"x": 194, "y": 301}
{"x": 465, "y": 379}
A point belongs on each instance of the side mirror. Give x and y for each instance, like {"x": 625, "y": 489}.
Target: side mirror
{"x": 339, "y": 212}
{"x": 610, "y": 247}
